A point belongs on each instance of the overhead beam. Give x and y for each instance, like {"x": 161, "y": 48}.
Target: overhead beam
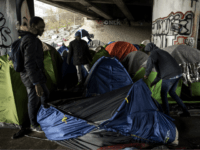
{"x": 139, "y": 3}
{"x": 94, "y": 9}
{"x": 124, "y": 9}
{"x": 65, "y": 6}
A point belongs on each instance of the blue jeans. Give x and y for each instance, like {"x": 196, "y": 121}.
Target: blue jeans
{"x": 170, "y": 86}
{"x": 34, "y": 102}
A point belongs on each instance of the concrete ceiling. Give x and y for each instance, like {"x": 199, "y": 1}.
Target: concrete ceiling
{"x": 106, "y": 9}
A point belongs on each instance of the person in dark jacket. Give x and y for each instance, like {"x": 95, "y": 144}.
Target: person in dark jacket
{"x": 33, "y": 76}
{"x": 79, "y": 49}
{"x": 169, "y": 71}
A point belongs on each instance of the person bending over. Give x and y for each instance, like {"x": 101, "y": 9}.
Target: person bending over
{"x": 169, "y": 71}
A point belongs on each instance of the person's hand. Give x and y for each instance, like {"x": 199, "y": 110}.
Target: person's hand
{"x": 39, "y": 90}
{"x": 145, "y": 77}
{"x": 151, "y": 85}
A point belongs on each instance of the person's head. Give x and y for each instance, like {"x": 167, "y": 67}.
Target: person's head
{"x": 78, "y": 35}
{"x": 149, "y": 48}
{"x": 37, "y": 26}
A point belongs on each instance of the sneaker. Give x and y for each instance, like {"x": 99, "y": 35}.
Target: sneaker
{"x": 37, "y": 129}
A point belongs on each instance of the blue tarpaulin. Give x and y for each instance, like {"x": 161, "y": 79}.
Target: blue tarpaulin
{"x": 106, "y": 75}
{"x": 137, "y": 116}
{"x": 51, "y": 123}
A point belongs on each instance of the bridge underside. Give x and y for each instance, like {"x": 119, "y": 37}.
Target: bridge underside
{"x": 107, "y": 9}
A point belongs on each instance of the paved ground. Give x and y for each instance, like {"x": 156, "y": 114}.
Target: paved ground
{"x": 189, "y": 131}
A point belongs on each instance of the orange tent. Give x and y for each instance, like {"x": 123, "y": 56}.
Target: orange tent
{"x": 120, "y": 49}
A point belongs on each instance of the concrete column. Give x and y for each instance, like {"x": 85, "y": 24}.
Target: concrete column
{"x": 8, "y": 18}
{"x": 12, "y": 11}
{"x": 175, "y": 22}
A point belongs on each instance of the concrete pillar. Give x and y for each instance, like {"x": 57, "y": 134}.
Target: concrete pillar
{"x": 12, "y": 11}
{"x": 175, "y": 22}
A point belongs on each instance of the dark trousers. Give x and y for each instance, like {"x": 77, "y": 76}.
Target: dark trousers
{"x": 34, "y": 102}
{"x": 170, "y": 86}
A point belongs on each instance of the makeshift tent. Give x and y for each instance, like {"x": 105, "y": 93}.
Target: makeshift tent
{"x": 52, "y": 66}
{"x": 120, "y": 49}
{"x": 133, "y": 61}
{"x": 62, "y": 49}
{"x": 121, "y": 116}
{"x": 186, "y": 54}
{"x": 99, "y": 54}
{"x": 13, "y": 96}
{"x": 107, "y": 74}
{"x": 95, "y": 43}
{"x": 156, "y": 92}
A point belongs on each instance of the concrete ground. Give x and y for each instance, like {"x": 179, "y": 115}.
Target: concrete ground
{"x": 189, "y": 136}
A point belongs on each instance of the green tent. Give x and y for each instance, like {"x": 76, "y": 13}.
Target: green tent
{"x": 13, "y": 96}
{"x": 156, "y": 92}
{"x": 98, "y": 55}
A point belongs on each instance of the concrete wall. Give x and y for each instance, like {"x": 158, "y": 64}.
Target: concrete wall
{"x": 180, "y": 13}
{"x": 119, "y": 32}
{"x": 8, "y": 18}
{"x": 12, "y": 11}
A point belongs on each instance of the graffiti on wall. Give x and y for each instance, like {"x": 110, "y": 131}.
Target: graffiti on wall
{"x": 24, "y": 10}
{"x": 112, "y": 22}
{"x": 5, "y": 37}
{"x": 177, "y": 28}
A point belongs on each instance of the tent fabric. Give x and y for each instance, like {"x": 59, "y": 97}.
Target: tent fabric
{"x": 140, "y": 112}
{"x": 94, "y": 109}
{"x": 111, "y": 42}
{"x": 140, "y": 118}
{"x": 184, "y": 53}
{"x": 62, "y": 48}
{"x": 120, "y": 49}
{"x": 107, "y": 74}
{"x": 133, "y": 61}
{"x": 98, "y": 55}
{"x": 137, "y": 46}
{"x": 156, "y": 92}
{"x": 13, "y": 97}
{"x": 52, "y": 64}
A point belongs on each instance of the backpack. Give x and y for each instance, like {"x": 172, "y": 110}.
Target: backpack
{"x": 16, "y": 56}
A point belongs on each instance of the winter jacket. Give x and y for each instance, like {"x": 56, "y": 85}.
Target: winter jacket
{"x": 32, "y": 51}
{"x": 80, "y": 52}
{"x": 165, "y": 65}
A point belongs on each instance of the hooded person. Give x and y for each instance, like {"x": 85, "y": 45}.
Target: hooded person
{"x": 169, "y": 71}
{"x": 79, "y": 49}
